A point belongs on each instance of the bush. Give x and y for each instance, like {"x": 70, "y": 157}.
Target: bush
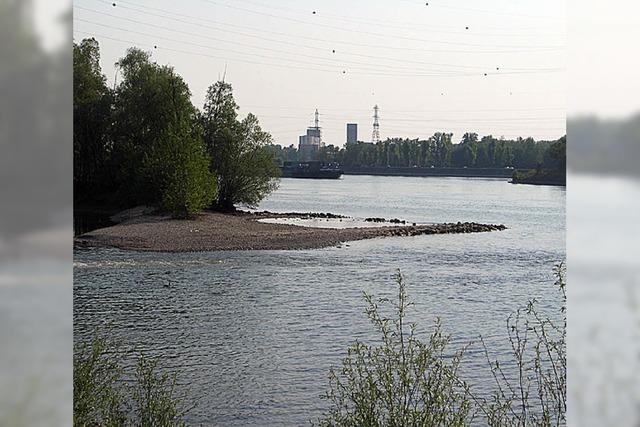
{"x": 402, "y": 381}
{"x": 101, "y": 397}
{"x": 97, "y": 397}
{"x": 406, "y": 382}
{"x": 180, "y": 166}
{"x": 538, "y": 395}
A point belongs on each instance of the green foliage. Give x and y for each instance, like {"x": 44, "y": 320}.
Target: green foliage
{"x": 180, "y": 166}
{"x": 155, "y": 403}
{"x": 538, "y": 395}
{"x": 153, "y": 106}
{"x": 540, "y": 176}
{"x": 146, "y": 142}
{"x": 283, "y": 154}
{"x": 245, "y": 167}
{"x": 404, "y": 381}
{"x": 437, "y": 151}
{"x": 556, "y": 156}
{"x": 92, "y": 105}
{"x": 101, "y": 397}
{"x": 400, "y": 382}
{"x": 97, "y": 397}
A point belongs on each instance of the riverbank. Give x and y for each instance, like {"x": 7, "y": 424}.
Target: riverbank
{"x": 542, "y": 177}
{"x": 441, "y": 172}
{"x": 211, "y": 231}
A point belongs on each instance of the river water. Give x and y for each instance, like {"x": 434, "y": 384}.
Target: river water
{"x": 252, "y": 335}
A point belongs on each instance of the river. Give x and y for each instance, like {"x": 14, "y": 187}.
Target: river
{"x": 252, "y": 335}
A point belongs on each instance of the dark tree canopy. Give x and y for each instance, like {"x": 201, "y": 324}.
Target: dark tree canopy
{"x": 436, "y": 151}
{"x": 157, "y": 139}
{"x": 141, "y": 143}
{"x": 92, "y": 108}
{"x": 145, "y": 143}
{"x": 245, "y": 167}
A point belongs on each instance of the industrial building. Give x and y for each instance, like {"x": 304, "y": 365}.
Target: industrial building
{"x": 352, "y": 133}
{"x": 310, "y": 144}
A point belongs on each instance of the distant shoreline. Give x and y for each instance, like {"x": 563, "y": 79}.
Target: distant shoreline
{"x": 426, "y": 172}
{"x": 542, "y": 177}
{"x": 212, "y": 231}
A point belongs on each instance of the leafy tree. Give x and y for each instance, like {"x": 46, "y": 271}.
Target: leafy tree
{"x": 556, "y": 155}
{"x": 470, "y": 138}
{"x": 158, "y": 143}
{"x": 245, "y": 168}
{"x": 443, "y": 148}
{"x": 180, "y": 164}
{"x": 151, "y": 102}
{"x": 92, "y": 103}
{"x": 439, "y": 151}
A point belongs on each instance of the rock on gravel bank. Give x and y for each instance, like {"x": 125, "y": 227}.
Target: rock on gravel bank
{"x": 226, "y": 232}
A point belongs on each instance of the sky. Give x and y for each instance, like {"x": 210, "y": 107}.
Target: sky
{"x": 492, "y": 67}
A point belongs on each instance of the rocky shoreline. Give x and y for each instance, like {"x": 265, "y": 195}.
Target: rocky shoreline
{"x": 212, "y": 231}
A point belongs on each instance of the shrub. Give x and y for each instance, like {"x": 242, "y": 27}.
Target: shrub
{"x": 406, "y": 382}
{"x": 97, "y": 397}
{"x": 400, "y": 382}
{"x": 538, "y": 395}
{"x": 102, "y": 397}
{"x": 179, "y": 166}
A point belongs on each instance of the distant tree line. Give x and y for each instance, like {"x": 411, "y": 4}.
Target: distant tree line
{"x": 144, "y": 142}
{"x": 440, "y": 151}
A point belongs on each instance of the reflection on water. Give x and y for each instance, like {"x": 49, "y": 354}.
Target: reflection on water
{"x": 253, "y": 334}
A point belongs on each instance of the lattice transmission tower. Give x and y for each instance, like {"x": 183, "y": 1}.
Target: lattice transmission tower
{"x": 375, "y": 136}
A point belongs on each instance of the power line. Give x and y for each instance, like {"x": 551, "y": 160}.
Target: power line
{"x": 493, "y": 12}
{"x": 385, "y": 23}
{"x": 262, "y": 38}
{"x": 333, "y": 62}
{"x": 356, "y": 72}
{"x": 528, "y": 49}
{"x": 329, "y": 117}
{"x": 306, "y": 47}
{"x": 415, "y": 111}
{"x": 199, "y": 54}
{"x": 333, "y": 27}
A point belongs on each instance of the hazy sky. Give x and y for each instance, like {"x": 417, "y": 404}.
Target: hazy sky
{"x": 424, "y": 65}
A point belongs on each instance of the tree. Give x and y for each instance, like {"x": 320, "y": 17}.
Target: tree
{"x": 158, "y": 143}
{"x": 92, "y": 102}
{"x": 556, "y": 155}
{"x": 180, "y": 164}
{"x": 469, "y": 138}
{"x": 443, "y": 148}
{"x": 245, "y": 168}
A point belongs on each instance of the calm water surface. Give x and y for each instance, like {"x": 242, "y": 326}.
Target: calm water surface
{"x": 253, "y": 334}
